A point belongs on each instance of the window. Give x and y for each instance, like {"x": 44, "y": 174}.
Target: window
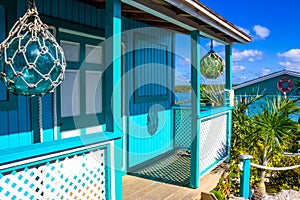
{"x": 93, "y": 92}
{"x": 71, "y": 50}
{"x": 70, "y": 98}
{"x": 80, "y": 94}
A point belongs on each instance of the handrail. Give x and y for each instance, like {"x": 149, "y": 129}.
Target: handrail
{"x": 39, "y": 149}
{"x": 215, "y": 111}
{"x": 275, "y": 168}
{"x": 206, "y": 111}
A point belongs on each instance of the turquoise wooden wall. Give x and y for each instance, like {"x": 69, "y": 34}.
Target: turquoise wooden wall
{"x": 142, "y": 145}
{"x": 15, "y": 129}
{"x": 16, "y": 117}
{"x": 141, "y": 47}
{"x": 267, "y": 87}
{"x": 70, "y": 10}
{"x": 148, "y": 58}
{"x": 17, "y": 125}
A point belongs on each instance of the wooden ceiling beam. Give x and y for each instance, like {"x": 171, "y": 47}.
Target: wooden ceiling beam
{"x": 166, "y": 9}
{"x": 128, "y": 8}
{"x": 198, "y": 25}
{"x": 143, "y": 17}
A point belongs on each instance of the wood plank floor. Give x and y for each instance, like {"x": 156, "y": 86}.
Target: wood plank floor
{"x": 168, "y": 179}
{"x": 136, "y": 188}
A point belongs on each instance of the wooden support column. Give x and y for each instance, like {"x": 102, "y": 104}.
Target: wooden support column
{"x": 195, "y": 83}
{"x": 112, "y": 87}
{"x": 228, "y": 75}
{"x": 112, "y": 72}
{"x": 228, "y": 68}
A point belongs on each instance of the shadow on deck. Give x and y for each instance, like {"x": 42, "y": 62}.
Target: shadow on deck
{"x": 168, "y": 179}
{"x": 173, "y": 169}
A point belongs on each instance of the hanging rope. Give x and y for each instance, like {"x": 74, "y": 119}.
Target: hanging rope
{"x": 31, "y": 4}
{"x": 40, "y": 116}
{"x": 274, "y": 168}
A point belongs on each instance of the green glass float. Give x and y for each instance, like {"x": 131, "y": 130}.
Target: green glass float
{"x": 31, "y": 61}
{"x": 212, "y": 65}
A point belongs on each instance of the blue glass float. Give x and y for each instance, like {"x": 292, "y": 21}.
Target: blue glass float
{"x": 212, "y": 65}
{"x": 32, "y": 63}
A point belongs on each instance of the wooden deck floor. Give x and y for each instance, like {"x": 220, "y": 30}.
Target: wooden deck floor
{"x": 136, "y": 188}
{"x": 167, "y": 179}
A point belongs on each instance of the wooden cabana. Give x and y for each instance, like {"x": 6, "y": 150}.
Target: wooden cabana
{"x": 114, "y": 113}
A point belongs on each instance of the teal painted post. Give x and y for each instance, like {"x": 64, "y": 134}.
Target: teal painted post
{"x": 118, "y": 168}
{"x": 113, "y": 51}
{"x": 245, "y": 177}
{"x": 195, "y": 83}
{"x": 228, "y": 74}
{"x": 228, "y": 68}
{"x": 112, "y": 101}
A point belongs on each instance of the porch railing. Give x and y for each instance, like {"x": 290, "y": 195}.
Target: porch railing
{"x": 214, "y": 135}
{"x": 67, "y": 169}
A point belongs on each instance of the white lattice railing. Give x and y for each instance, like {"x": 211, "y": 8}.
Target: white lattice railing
{"x": 213, "y": 140}
{"x": 182, "y": 127}
{"x": 214, "y": 133}
{"x": 79, "y": 173}
{"x": 77, "y": 176}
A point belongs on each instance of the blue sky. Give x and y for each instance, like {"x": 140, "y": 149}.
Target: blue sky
{"x": 275, "y": 31}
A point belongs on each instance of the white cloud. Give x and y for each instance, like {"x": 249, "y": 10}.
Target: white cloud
{"x": 249, "y": 55}
{"x": 292, "y": 55}
{"x": 238, "y": 68}
{"x": 290, "y": 65}
{"x": 187, "y": 60}
{"x": 251, "y": 59}
{"x": 244, "y": 30}
{"x": 261, "y": 31}
{"x": 265, "y": 71}
{"x": 291, "y": 59}
{"x": 243, "y": 77}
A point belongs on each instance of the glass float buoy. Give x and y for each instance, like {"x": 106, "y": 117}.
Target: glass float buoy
{"x": 32, "y": 63}
{"x": 212, "y": 65}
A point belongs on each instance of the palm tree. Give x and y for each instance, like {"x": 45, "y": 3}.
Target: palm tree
{"x": 274, "y": 128}
{"x": 212, "y": 93}
{"x": 243, "y": 129}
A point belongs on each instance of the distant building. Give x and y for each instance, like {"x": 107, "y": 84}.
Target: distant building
{"x": 272, "y": 84}
{"x": 278, "y": 83}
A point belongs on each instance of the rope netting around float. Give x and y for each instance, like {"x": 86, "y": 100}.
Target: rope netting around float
{"x": 274, "y": 168}
{"x": 33, "y": 63}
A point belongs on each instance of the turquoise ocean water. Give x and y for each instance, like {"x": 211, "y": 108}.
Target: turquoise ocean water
{"x": 255, "y": 108}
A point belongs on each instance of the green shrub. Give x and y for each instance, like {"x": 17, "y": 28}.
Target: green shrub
{"x": 288, "y": 179}
{"x": 219, "y": 195}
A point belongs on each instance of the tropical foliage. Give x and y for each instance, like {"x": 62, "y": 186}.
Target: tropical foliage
{"x": 274, "y": 129}
{"x": 265, "y": 134}
{"x": 213, "y": 94}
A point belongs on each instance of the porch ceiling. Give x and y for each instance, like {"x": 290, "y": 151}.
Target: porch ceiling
{"x": 181, "y": 16}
